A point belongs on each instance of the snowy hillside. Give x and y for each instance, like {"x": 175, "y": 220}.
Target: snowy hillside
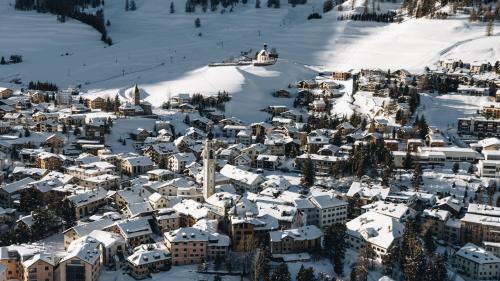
{"x": 164, "y": 54}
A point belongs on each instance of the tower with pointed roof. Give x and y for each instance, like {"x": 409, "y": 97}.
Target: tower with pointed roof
{"x": 137, "y": 96}
{"x": 208, "y": 168}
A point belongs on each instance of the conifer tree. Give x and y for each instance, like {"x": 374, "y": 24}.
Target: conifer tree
{"x": 430, "y": 245}
{"x": 2, "y": 61}
{"x": 117, "y": 103}
{"x": 363, "y": 263}
{"x": 68, "y": 214}
{"x": 335, "y": 245}
{"x": 305, "y": 274}
{"x": 408, "y": 161}
{"x": 308, "y": 172}
{"x": 127, "y": 5}
{"x": 412, "y": 254}
{"x": 327, "y": 6}
{"x": 281, "y": 273}
{"x": 417, "y": 176}
{"x": 172, "y": 8}
{"x": 260, "y": 265}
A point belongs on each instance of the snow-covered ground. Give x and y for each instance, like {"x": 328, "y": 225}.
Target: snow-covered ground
{"x": 163, "y": 53}
{"x": 178, "y": 273}
{"x": 442, "y": 111}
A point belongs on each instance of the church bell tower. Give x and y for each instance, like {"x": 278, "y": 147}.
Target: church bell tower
{"x": 208, "y": 167}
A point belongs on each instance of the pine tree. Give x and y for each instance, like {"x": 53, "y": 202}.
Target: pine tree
{"x": 430, "y": 245}
{"x": 30, "y": 200}
{"x": 281, "y": 273}
{"x": 172, "y": 8}
{"x": 260, "y": 265}
{"x": 335, "y": 245}
{"x": 417, "y": 176}
{"x": 197, "y": 23}
{"x": 388, "y": 168}
{"x": 257, "y": 4}
{"x": 412, "y": 255}
{"x": 423, "y": 127}
{"x": 363, "y": 263}
{"x": 327, "y": 6}
{"x": 456, "y": 168}
{"x": 305, "y": 274}
{"x": 133, "y": 7}
{"x": 2, "y": 61}
{"x": 491, "y": 190}
{"x": 127, "y": 6}
{"x": 116, "y": 104}
{"x": 27, "y": 132}
{"x": 308, "y": 172}
{"x": 68, "y": 214}
{"x": 389, "y": 260}
{"x": 353, "y": 276}
{"x": 408, "y": 161}
{"x": 470, "y": 170}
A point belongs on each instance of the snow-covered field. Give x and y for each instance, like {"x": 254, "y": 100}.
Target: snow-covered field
{"x": 178, "y": 273}
{"x": 163, "y": 53}
{"x": 442, "y": 111}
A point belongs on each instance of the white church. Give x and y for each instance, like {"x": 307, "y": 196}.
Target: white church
{"x": 264, "y": 58}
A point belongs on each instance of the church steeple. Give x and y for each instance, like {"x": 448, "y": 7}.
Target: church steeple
{"x": 137, "y": 96}
{"x": 208, "y": 169}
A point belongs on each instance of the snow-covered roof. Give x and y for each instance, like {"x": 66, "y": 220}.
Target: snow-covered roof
{"x": 139, "y": 161}
{"x": 327, "y": 201}
{"x": 441, "y": 215}
{"x": 17, "y": 185}
{"x": 377, "y": 229}
{"x": 396, "y": 210}
{"x": 139, "y": 208}
{"x": 85, "y": 249}
{"x": 240, "y": 175}
{"x": 86, "y": 228}
{"x": 364, "y": 190}
{"x": 134, "y": 227}
{"x": 451, "y": 202}
{"x": 192, "y": 234}
{"x": 482, "y": 209}
{"x": 106, "y": 238}
{"x": 191, "y": 208}
{"x": 477, "y": 254}
{"x": 223, "y": 199}
{"x": 48, "y": 258}
{"x": 309, "y": 232}
{"x": 84, "y": 197}
{"x": 144, "y": 255}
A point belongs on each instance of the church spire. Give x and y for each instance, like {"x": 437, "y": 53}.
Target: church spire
{"x": 137, "y": 96}
{"x": 208, "y": 168}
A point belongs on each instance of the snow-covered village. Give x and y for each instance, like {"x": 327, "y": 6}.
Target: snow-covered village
{"x": 252, "y": 140}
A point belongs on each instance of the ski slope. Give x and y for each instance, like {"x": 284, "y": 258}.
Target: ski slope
{"x": 165, "y": 55}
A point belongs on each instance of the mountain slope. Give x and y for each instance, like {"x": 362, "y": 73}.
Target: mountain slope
{"x": 163, "y": 53}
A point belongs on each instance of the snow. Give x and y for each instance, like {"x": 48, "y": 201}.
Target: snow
{"x": 163, "y": 53}
{"x": 442, "y": 111}
{"x": 178, "y": 273}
